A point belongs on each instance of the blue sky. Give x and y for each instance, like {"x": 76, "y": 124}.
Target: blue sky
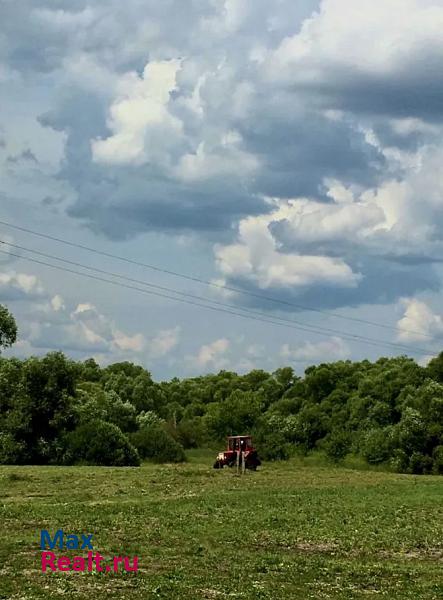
{"x": 291, "y": 149}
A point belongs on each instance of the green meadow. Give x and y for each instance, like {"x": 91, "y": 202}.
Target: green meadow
{"x": 297, "y": 530}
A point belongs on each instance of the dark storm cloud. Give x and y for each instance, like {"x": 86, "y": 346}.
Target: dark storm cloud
{"x": 295, "y": 155}
{"x": 366, "y": 58}
{"x": 383, "y": 282}
{"x": 259, "y": 130}
{"x": 122, "y": 201}
{"x": 29, "y": 46}
{"x": 128, "y": 205}
{"x": 296, "y": 147}
{"x": 301, "y": 147}
{"x": 416, "y": 92}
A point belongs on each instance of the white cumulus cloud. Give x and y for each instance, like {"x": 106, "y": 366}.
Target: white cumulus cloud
{"x": 419, "y": 322}
{"x": 372, "y": 38}
{"x": 212, "y": 355}
{"x": 164, "y": 342}
{"x": 143, "y": 128}
{"x": 328, "y": 350}
{"x": 256, "y": 257}
{"x": 15, "y": 286}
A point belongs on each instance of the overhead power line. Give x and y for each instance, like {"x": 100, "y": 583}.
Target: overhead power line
{"x": 199, "y": 298}
{"x": 204, "y": 303}
{"x": 212, "y": 284}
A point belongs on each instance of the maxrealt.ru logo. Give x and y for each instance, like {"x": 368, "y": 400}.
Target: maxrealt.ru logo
{"x": 92, "y": 562}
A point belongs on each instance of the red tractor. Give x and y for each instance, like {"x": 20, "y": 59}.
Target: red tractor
{"x": 238, "y": 446}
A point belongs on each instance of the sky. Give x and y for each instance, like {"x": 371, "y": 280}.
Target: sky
{"x": 291, "y": 150}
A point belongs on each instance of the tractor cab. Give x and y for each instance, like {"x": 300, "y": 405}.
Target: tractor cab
{"x": 239, "y": 448}
{"x": 239, "y": 442}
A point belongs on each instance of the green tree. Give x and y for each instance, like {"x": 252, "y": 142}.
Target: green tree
{"x": 144, "y": 393}
{"x": 285, "y": 377}
{"x": 158, "y": 445}
{"x": 312, "y": 425}
{"x": 237, "y": 415}
{"x": 337, "y": 445}
{"x": 438, "y": 460}
{"x": 95, "y": 402}
{"x": 376, "y": 445}
{"x": 320, "y": 382}
{"x": 435, "y": 368}
{"x": 90, "y": 370}
{"x": 8, "y": 328}
{"x": 100, "y": 443}
{"x": 191, "y": 433}
{"x": 47, "y": 404}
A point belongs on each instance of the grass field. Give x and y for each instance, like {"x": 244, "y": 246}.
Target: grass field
{"x": 292, "y": 530}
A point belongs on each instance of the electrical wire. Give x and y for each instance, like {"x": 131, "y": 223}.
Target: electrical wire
{"x": 212, "y": 284}
{"x": 203, "y": 302}
{"x": 193, "y": 296}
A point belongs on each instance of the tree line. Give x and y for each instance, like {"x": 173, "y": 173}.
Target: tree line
{"x": 54, "y": 410}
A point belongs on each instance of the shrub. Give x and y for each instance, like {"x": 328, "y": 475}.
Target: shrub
{"x": 100, "y": 443}
{"x": 410, "y": 433}
{"x": 156, "y": 444}
{"x": 438, "y": 460}
{"x": 312, "y": 426}
{"x": 191, "y": 433}
{"x": 148, "y": 418}
{"x": 11, "y": 450}
{"x": 272, "y": 446}
{"x": 375, "y": 446}
{"x": 95, "y": 403}
{"x": 337, "y": 445}
{"x": 420, "y": 464}
{"x": 399, "y": 461}
{"x": 286, "y": 406}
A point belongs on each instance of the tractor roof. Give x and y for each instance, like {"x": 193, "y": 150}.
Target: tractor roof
{"x": 236, "y": 437}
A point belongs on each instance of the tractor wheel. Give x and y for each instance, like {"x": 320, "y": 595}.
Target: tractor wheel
{"x": 253, "y": 462}
{"x": 218, "y": 465}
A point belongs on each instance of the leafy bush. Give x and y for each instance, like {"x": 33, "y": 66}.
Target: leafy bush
{"x": 286, "y": 406}
{"x": 337, "y": 445}
{"x": 191, "y": 433}
{"x": 420, "y": 464}
{"x": 156, "y": 444}
{"x": 96, "y": 403}
{"x": 11, "y": 450}
{"x": 399, "y": 461}
{"x": 410, "y": 433}
{"x": 100, "y": 443}
{"x": 375, "y": 446}
{"x": 272, "y": 445}
{"x": 438, "y": 460}
{"x": 8, "y": 328}
{"x": 312, "y": 425}
{"x": 236, "y": 415}
{"x": 148, "y": 418}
